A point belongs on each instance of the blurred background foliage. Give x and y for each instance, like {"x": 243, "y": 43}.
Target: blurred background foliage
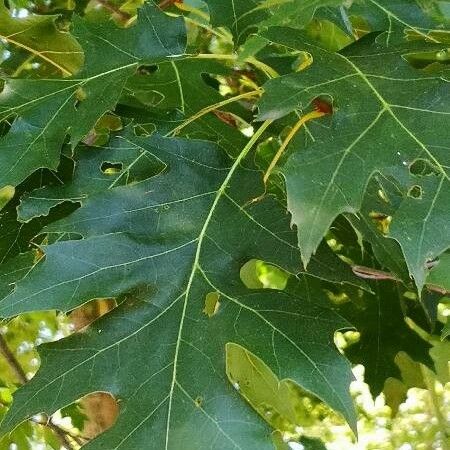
{"x": 406, "y": 407}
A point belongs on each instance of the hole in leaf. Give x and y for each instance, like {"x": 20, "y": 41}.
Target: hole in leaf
{"x": 443, "y": 55}
{"x": 147, "y": 69}
{"x": 210, "y": 81}
{"x": 80, "y": 96}
{"x": 382, "y": 194}
{"x": 88, "y": 313}
{"x": 6, "y": 194}
{"x": 281, "y": 403}
{"x": 338, "y": 297}
{"x": 108, "y": 122}
{"x": 198, "y": 401}
{"x": 212, "y": 304}
{"x": 304, "y": 60}
{"x": 100, "y": 410}
{"x": 381, "y": 220}
{"x": 323, "y": 104}
{"x": 109, "y": 168}
{"x": 257, "y": 274}
{"x": 422, "y": 168}
{"x": 421, "y": 60}
{"x": 415, "y": 192}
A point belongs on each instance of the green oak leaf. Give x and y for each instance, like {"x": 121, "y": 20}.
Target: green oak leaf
{"x": 42, "y": 42}
{"x": 96, "y": 169}
{"x": 402, "y": 119}
{"x": 236, "y": 15}
{"x": 16, "y": 268}
{"x": 400, "y": 17}
{"x": 47, "y": 110}
{"x": 168, "y": 247}
{"x": 240, "y": 16}
{"x": 414, "y": 18}
{"x": 293, "y": 13}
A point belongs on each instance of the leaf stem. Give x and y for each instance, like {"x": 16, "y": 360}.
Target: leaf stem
{"x": 306, "y": 118}
{"x": 206, "y": 27}
{"x": 265, "y": 68}
{"x": 268, "y": 71}
{"x": 213, "y": 107}
{"x": 187, "y": 8}
{"x": 226, "y": 56}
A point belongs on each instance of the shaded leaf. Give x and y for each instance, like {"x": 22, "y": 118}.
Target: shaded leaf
{"x": 384, "y": 333}
{"x": 39, "y": 38}
{"x": 175, "y": 243}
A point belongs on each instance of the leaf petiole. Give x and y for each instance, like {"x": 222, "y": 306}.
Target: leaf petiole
{"x": 306, "y": 118}
{"x": 213, "y": 107}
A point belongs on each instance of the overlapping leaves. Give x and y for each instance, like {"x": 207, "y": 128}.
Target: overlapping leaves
{"x": 402, "y": 119}
{"x": 45, "y": 111}
{"x": 165, "y": 225}
{"x": 41, "y": 41}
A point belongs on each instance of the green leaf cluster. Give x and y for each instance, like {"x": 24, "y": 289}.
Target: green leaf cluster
{"x": 243, "y": 180}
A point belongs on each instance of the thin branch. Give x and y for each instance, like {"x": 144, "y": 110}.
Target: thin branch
{"x": 369, "y": 273}
{"x": 62, "y": 435}
{"x": 17, "y": 369}
{"x": 12, "y": 361}
{"x": 121, "y": 15}
{"x": 164, "y": 4}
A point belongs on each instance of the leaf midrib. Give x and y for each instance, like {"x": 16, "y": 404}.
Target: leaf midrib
{"x": 195, "y": 266}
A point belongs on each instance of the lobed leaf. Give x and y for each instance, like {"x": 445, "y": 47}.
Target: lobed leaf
{"x": 166, "y": 245}
{"x": 401, "y": 120}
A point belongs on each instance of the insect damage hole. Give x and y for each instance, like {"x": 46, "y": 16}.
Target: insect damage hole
{"x": 423, "y": 168}
{"x": 110, "y": 168}
{"x": 212, "y": 304}
{"x": 415, "y": 192}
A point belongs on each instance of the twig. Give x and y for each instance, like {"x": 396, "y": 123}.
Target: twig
{"x": 369, "y": 273}
{"x": 62, "y": 435}
{"x": 22, "y": 378}
{"x": 12, "y": 361}
{"x": 164, "y": 4}
{"x": 121, "y": 15}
